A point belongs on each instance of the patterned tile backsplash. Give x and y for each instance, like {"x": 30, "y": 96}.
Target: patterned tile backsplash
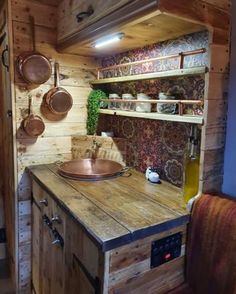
{"x": 182, "y": 44}
{"x": 150, "y": 142}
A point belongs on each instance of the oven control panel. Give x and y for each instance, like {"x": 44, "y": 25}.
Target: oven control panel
{"x": 166, "y": 249}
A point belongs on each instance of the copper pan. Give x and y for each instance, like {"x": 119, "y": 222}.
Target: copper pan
{"x": 34, "y": 68}
{"x": 91, "y": 169}
{"x": 33, "y": 125}
{"x": 58, "y": 100}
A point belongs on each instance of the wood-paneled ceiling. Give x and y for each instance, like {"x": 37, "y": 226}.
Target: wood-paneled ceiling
{"x": 139, "y": 34}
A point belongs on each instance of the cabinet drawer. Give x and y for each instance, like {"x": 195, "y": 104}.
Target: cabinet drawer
{"x": 41, "y": 199}
{"x": 70, "y": 10}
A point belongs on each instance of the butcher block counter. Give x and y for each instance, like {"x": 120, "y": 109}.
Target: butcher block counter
{"x": 121, "y": 235}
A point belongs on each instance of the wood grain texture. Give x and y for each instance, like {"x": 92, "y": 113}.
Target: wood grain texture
{"x": 7, "y": 152}
{"x": 140, "y": 34}
{"x": 159, "y": 280}
{"x": 199, "y": 11}
{"x": 68, "y": 23}
{"x": 132, "y": 211}
{"x": 84, "y": 268}
{"x": 75, "y": 74}
{"x": 100, "y": 226}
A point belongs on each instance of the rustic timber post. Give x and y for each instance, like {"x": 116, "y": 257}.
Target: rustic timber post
{"x": 215, "y": 15}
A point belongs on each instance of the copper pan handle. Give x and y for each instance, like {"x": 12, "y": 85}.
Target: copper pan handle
{"x": 32, "y": 29}
{"x": 30, "y": 104}
{"x": 58, "y": 163}
{"x": 57, "y": 75}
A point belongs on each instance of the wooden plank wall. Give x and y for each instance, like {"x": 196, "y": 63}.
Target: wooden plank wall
{"x": 216, "y": 92}
{"x": 6, "y": 155}
{"x": 216, "y": 15}
{"x": 55, "y": 143}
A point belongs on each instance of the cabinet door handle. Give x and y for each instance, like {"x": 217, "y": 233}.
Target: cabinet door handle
{"x": 58, "y": 240}
{"x": 56, "y": 219}
{"x": 47, "y": 221}
{"x": 84, "y": 14}
{"x": 4, "y": 58}
{"x": 44, "y": 201}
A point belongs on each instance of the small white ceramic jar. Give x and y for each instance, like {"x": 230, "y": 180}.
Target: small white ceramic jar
{"x": 143, "y": 107}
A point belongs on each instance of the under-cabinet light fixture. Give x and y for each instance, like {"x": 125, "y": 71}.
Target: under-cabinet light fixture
{"x": 108, "y": 40}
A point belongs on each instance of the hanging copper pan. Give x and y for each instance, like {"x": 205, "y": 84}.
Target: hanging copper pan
{"x": 34, "y": 68}
{"x": 33, "y": 125}
{"x": 58, "y": 100}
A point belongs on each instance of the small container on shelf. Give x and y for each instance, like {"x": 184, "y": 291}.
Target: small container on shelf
{"x": 114, "y": 105}
{"x": 128, "y": 105}
{"x": 166, "y": 108}
{"x": 143, "y": 107}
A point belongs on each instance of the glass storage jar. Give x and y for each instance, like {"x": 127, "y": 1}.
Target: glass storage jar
{"x": 143, "y": 107}
{"x": 128, "y": 105}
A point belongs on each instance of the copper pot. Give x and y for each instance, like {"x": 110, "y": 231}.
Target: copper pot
{"x": 58, "y": 100}
{"x": 33, "y": 125}
{"x": 34, "y": 67}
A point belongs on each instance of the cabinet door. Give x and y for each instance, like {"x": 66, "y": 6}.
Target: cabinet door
{"x": 36, "y": 248}
{"x": 87, "y": 11}
{"x": 83, "y": 268}
{"x": 79, "y": 281}
{"x": 47, "y": 252}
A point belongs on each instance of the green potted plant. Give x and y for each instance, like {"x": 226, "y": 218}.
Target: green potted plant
{"x": 94, "y": 100}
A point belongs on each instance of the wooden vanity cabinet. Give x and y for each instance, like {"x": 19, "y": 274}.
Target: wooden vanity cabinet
{"x": 70, "y": 261}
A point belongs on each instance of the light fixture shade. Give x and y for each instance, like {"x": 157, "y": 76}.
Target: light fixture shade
{"x": 108, "y": 40}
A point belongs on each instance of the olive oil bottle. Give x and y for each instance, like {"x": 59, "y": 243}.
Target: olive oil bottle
{"x": 192, "y": 165}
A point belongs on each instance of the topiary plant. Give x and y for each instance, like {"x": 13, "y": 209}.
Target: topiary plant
{"x": 94, "y": 100}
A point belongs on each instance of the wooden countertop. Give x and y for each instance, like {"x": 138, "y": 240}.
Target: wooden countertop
{"x": 117, "y": 211}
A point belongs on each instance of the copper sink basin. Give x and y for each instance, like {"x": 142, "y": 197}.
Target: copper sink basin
{"x": 90, "y": 169}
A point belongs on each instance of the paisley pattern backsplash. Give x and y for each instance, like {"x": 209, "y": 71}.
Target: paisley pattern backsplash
{"x": 157, "y": 143}
{"x": 186, "y": 43}
{"x": 152, "y": 143}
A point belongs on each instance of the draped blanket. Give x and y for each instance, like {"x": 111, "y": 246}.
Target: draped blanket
{"x": 211, "y": 249}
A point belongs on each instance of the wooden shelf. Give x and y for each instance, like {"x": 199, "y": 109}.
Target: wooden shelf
{"x": 148, "y": 76}
{"x": 193, "y": 119}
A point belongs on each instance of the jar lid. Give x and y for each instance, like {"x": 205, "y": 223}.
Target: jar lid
{"x": 127, "y": 96}
{"x": 142, "y": 96}
{"x": 114, "y": 95}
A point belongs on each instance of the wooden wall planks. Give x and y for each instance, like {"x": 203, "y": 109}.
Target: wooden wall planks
{"x": 76, "y": 72}
{"x": 55, "y": 143}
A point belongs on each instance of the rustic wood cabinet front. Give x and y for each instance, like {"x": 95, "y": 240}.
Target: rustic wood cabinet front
{"x": 76, "y": 15}
{"x": 64, "y": 259}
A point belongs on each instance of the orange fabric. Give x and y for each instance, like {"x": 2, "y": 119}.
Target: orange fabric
{"x": 211, "y": 249}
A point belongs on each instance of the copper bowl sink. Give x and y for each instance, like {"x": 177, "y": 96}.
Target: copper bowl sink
{"x": 90, "y": 169}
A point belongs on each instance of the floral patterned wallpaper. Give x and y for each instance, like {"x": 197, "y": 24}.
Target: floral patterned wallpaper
{"x": 150, "y": 142}
{"x": 182, "y": 44}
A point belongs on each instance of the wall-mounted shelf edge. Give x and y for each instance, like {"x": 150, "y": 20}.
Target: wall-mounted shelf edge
{"x": 163, "y": 74}
{"x": 193, "y": 119}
